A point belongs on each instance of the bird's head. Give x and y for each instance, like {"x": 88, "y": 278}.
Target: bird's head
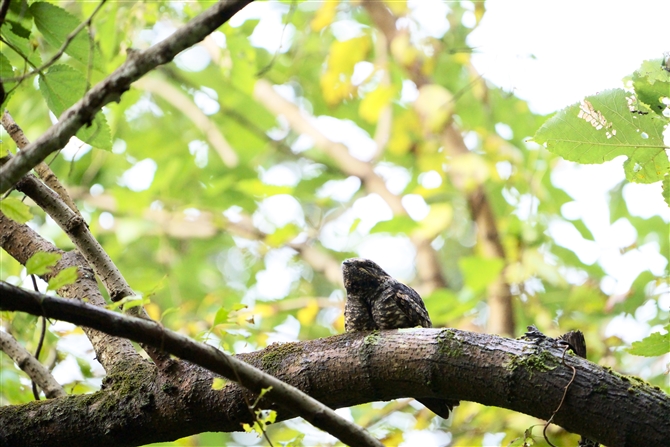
{"x": 360, "y": 273}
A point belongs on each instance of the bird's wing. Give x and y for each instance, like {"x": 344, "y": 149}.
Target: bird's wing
{"x": 410, "y": 303}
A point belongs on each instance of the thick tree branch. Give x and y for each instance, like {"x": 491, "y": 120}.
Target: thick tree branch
{"x": 138, "y": 64}
{"x": 22, "y": 242}
{"x": 152, "y": 333}
{"x": 340, "y": 371}
{"x": 37, "y": 372}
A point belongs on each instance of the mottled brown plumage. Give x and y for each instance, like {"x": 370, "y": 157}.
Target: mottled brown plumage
{"x": 377, "y": 301}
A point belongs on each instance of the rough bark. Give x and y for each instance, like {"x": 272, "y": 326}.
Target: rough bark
{"x": 22, "y": 242}
{"x": 147, "y": 405}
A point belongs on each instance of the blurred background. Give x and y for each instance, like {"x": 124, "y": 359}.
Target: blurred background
{"x": 304, "y": 133}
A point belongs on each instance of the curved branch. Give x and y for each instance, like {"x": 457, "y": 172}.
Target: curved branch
{"x": 138, "y": 64}
{"x": 152, "y": 333}
{"x": 517, "y": 374}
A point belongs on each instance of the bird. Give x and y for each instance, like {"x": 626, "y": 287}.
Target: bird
{"x": 375, "y": 300}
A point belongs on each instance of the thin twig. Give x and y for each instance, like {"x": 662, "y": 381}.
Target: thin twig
{"x": 36, "y": 393}
{"x": 4, "y": 7}
{"x": 68, "y": 40}
{"x": 565, "y": 392}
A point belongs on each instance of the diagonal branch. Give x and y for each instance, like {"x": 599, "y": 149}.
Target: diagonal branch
{"x": 37, "y": 372}
{"x": 138, "y": 64}
{"x": 152, "y": 333}
{"x": 42, "y": 169}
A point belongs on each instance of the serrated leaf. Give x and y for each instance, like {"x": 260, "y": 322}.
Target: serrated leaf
{"x": 15, "y": 35}
{"x": 42, "y": 262}
{"x": 655, "y": 345}
{"x": 55, "y": 24}
{"x": 666, "y": 189}
{"x": 218, "y": 383}
{"x": 62, "y": 86}
{"x": 16, "y": 210}
{"x": 63, "y": 278}
{"x": 606, "y": 125}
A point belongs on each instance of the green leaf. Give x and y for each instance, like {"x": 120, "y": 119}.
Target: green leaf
{"x": 16, "y": 210}
{"x": 221, "y": 316}
{"x": 666, "y": 189}
{"x": 282, "y": 235}
{"x": 42, "y": 262}
{"x": 56, "y": 24}
{"x": 218, "y": 383}
{"x": 606, "y": 125}
{"x": 652, "y": 83}
{"x": 6, "y": 71}
{"x": 63, "y": 278}
{"x": 16, "y": 36}
{"x": 655, "y": 345}
{"x": 254, "y": 187}
{"x": 134, "y": 302}
{"x": 62, "y": 86}
{"x": 243, "y": 71}
{"x": 479, "y": 272}
{"x": 397, "y": 225}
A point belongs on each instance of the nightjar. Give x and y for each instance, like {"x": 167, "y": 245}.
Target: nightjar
{"x": 377, "y": 301}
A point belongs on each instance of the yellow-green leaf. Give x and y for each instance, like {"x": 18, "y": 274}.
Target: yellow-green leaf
{"x": 63, "y": 278}
{"x": 16, "y": 210}
{"x": 218, "y": 383}
{"x": 373, "y": 103}
{"x": 42, "y": 262}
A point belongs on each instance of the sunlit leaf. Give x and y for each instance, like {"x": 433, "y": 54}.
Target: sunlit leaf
{"x": 218, "y": 383}
{"x": 397, "y": 225}
{"x": 15, "y": 210}
{"x": 652, "y": 84}
{"x": 42, "y": 262}
{"x": 479, "y": 272}
{"x": 63, "y": 278}
{"x": 324, "y": 15}
{"x": 56, "y": 24}
{"x": 373, "y": 103}
{"x": 606, "y": 125}
{"x": 655, "y": 345}
{"x": 62, "y": 86}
